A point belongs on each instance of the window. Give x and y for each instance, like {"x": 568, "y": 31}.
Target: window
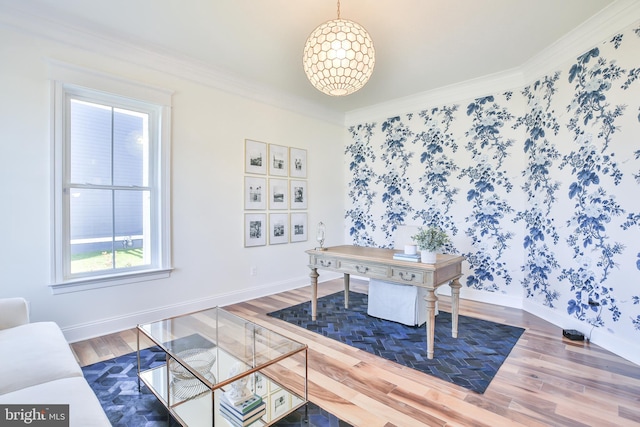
{"x": 111, "y": 201}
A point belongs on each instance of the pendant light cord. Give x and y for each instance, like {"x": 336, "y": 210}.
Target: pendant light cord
{"x": 338, "y": 9}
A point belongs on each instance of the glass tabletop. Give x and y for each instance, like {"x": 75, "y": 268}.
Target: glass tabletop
{"x": 196, "y": 339}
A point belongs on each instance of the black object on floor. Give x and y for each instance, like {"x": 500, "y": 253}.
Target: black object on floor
{"x": 573, "y": 335}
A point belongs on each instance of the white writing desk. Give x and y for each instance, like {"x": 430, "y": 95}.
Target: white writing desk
{"x": 378, "y": 263}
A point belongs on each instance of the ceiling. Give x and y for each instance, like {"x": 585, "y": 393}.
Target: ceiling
{"x": 420, "y": 45}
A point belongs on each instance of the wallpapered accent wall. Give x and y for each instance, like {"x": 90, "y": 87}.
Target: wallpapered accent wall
{"x": 539, "y": 187}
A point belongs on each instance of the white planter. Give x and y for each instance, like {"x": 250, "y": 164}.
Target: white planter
{"x": 428, "y": 257}
{"x": 410, "y": 249}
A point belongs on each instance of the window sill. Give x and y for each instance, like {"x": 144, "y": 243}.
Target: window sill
{"x": 98, "y": 282}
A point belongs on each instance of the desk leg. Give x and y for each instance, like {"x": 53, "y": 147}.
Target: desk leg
{"x": 431, "y": 299}
{"x": 346, "y": 290}
{"x": 455, "y": 306}
{"x": 314, "y": 292}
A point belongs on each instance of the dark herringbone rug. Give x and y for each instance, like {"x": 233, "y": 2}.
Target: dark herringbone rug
{"x": 115, "y": 382}
{"x": 470, "y": 361}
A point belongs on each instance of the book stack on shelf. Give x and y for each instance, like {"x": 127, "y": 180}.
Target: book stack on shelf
{"x": 243, "y": 413}
{"x": 401, "y": 256}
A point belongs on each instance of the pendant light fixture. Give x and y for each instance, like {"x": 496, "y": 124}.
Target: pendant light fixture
{"x": 339, "y": 57}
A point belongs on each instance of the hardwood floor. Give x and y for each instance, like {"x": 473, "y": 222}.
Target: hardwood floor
{"x": 545, "y": 381}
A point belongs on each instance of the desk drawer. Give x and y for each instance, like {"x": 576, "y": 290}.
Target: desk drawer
{"x": 406, "y": 275}
{"x": 322, "y": 262}
{"x": 352, "y": 267}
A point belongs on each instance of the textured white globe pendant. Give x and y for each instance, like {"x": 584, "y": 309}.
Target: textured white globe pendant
{"x": 339, "y": 57}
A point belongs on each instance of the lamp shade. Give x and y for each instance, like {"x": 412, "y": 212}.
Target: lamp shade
{"x": 339, "y": 57}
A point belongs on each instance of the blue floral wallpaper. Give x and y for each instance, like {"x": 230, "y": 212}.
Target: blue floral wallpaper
{"x": 538, "y": 187}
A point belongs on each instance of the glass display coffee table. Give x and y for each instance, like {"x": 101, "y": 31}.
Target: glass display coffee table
{"x": 223, "y": 370}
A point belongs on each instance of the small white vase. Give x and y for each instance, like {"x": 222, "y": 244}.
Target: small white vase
{"x": 410, "y": 249}
{"x": 428, "y": 257}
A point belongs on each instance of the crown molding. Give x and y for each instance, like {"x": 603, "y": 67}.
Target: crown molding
{"x": 618, "y": 15}
{"x": 32, "y": 24}
{"x": 602, "y": 26}
{"x": 469, "y": 89}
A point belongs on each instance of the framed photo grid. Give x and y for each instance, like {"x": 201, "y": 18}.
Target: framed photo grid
{"x": 274, "y": 186}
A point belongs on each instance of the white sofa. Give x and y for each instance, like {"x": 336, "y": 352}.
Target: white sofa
{"x": 37, "y": 367}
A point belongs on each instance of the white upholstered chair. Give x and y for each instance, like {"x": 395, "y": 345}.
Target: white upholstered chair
{"x": 396, "y": 302}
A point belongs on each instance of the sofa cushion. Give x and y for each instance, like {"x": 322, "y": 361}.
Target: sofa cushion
{"x": 13, "y": 312}
{"x": 34, "y": 353}
{"x": 84, "y": 407}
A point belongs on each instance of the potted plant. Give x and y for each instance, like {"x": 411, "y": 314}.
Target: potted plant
{"x": 429, "y": 241}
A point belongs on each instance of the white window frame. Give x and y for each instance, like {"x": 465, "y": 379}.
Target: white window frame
{"x": 69, "y": 81}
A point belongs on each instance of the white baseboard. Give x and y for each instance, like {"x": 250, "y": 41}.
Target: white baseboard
{"x": 599, "y": 336}
{"x": 106, "y": 326}
{"x": 486, "y": 297}
{"x": 115, "y": 324}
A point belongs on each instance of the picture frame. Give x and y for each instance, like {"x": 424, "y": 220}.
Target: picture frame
{"x": 255, "y": 157}
{"x": 278, "y": 160}
{"x": 274, "y": 387}
{"x": 279, "y": 403}
{"x": 298, "y": 194}
{"x": 255, "y": 229}
{"x": 278, "y": 228}
{"x": 278, "y": 194}
{"x": 255, "y": 193}
{"x": 260, "y": 383}
{"x": 298, "y": 232}
{"x": 297, "y": 162}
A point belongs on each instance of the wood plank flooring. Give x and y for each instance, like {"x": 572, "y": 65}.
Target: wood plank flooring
{"x": 546, "y": 380}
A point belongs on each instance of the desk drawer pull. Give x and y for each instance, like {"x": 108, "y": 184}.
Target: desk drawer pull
{"x": 408, "y": 279}
{"x": 325, "y": 263}
{"x": 362, "y": 269}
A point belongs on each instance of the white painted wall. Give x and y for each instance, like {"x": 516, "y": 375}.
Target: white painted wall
{"x": 212, "y": 267}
